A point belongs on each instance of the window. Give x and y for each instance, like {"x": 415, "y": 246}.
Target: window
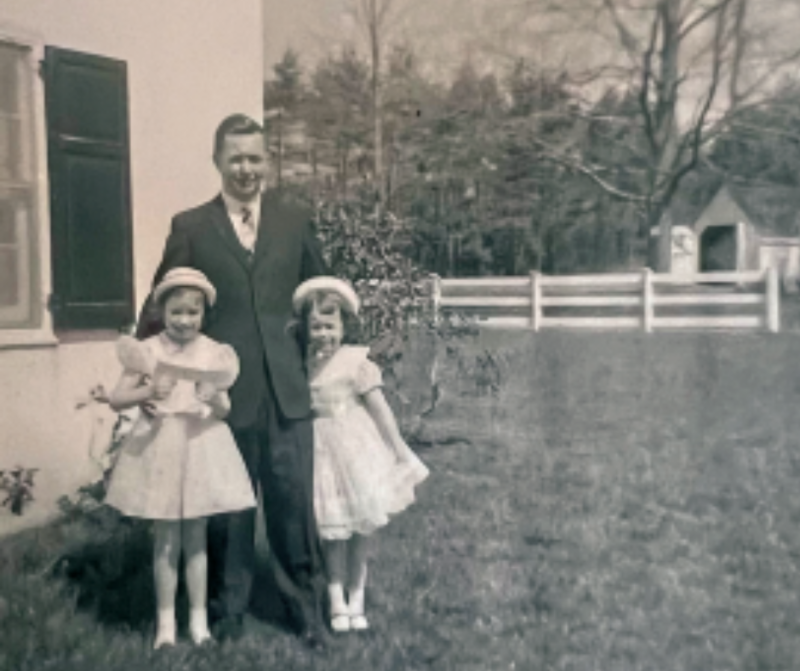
{"x": 19, "y": 286}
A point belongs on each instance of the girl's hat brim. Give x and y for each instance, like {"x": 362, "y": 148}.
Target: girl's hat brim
{"x": 341, "y": 288}
{"x": 186, "y": 277}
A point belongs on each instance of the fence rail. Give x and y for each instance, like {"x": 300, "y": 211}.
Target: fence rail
{"x": 642, "y": 300}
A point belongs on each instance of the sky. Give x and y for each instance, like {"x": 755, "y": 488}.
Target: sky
{"x": 493, "y": 33}
{"x": 443, "y": 32}
{"x": 298, "y": 27}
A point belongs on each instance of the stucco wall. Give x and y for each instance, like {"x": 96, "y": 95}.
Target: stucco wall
{"x": 190, "y": 63}
{"x": 40, "y": 425}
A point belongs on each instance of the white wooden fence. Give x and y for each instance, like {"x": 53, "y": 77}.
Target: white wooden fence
{"x": 640, "y": 300}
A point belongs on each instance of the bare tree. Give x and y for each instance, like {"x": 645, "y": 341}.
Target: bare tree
{"x": 695, "y": 65}
{"x": 378, "y": 19}
{"x": 371, "y": 16}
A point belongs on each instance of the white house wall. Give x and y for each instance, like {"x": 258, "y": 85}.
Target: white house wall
{"x": 190, "y": 63}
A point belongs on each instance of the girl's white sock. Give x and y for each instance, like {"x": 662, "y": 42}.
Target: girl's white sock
{"x": 356, "y": 599}
{"x": 338, "y": 602}
{"x": 165, "y": 628}
{"x": 198, "y": 625}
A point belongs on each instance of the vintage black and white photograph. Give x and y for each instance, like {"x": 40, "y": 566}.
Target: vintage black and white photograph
{"x": 400, "y": 335}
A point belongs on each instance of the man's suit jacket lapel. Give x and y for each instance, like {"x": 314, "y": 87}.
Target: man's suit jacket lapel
{"x": 270, "y": 216}
{"x": 223, "y": 226}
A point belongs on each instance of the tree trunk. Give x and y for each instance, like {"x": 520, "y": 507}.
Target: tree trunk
{"x": 666, "y": 127}
{"x": 280, "y": 151}
{"x": 661, "y": 218}
{"x": 374, "y": 32}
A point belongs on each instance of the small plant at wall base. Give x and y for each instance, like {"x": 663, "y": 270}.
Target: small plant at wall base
{"x": 18, "y": 485}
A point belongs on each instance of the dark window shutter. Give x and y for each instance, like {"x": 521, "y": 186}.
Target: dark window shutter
{"x": 88, "y": 162}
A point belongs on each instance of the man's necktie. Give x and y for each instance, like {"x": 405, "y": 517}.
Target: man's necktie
{"x": 248, "y": 229}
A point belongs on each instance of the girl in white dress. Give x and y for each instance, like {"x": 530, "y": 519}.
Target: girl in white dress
{"x": 363, "y": 470}
{"x": 180, "y": 463}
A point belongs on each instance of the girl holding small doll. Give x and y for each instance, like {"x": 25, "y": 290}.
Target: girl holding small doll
{"x": 363, "y": 470}
{"x": 179, "y": 464}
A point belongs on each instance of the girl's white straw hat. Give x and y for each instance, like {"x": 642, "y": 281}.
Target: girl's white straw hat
{"x": 327, "y": 284}
{"x": 186, "y": 277}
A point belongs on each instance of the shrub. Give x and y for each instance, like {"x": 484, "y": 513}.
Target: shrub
{"x": 366, "y": 247}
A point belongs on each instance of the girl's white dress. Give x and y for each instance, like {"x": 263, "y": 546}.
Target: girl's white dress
{"x": 359, "y": 481}
{"x": 183, "y": 463}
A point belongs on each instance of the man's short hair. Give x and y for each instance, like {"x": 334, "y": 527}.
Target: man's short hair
{"x": 235, "y": 124}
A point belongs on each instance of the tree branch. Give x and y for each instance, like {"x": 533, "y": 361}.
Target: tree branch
{"x": 697, "y": 133}
{"x": 590, "y": 173}
{"x": 702, "y": 18}
{"x": 739, "y": 45}
{"x": 644, "y": 89}
{"x": 763, "y": 130}
{"x": 626, "y": 37}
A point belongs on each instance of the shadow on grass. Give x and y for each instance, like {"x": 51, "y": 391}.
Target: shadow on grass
{"x": 266, "y": 604}
{"x": 111, "y": 573}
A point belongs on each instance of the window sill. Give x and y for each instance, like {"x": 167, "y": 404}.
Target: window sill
{"x": 68, "y": 337}
{"x": 26, "y": 338}
{"x": 42, "y": 337}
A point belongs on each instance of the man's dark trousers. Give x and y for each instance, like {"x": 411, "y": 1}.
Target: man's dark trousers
{"x": 278, "y": 454}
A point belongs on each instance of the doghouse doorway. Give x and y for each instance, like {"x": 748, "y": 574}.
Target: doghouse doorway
{"x": 718, "y": 249}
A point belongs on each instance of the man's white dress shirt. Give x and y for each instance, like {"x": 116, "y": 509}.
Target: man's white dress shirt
{"x": 246, "y": 232}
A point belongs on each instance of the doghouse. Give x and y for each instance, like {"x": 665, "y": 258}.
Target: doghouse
{"x": 740, "y": 228}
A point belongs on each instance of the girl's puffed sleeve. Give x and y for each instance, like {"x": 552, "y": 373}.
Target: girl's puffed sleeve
{"x": 135, "y": 356}
{"x": 368, "y": 377}
{"x": 225, "y": 366}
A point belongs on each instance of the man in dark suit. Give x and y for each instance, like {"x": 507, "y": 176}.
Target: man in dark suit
{"x": 255, "y": 249}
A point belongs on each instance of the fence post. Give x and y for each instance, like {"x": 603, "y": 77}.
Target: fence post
{"x": 436, "y": 296}
{"x": 536, "y": 300}
{"x": 647, "y": 300}
{"x": 773, "y": 301}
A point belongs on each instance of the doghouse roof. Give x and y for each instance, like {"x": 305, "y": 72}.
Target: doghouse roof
{"x": 771, "y": 210}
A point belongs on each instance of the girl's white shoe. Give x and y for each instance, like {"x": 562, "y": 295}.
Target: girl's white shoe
{"x": 164, "y": 636}
{"x": 165, "y": 628}
{"x": 200, "y": 636}
{"x": 198, "y": 626}
{"x": 359, "y": 622}
{"x": 340, "y": 622}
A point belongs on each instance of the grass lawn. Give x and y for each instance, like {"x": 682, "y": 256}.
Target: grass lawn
{"x": 625, "y": 502}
